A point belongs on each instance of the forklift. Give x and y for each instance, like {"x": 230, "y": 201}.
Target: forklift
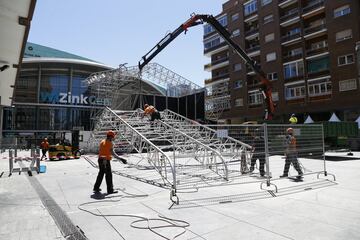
{"x": 66, "y": 149}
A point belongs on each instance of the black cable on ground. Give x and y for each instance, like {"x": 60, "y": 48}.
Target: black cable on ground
{"x": 168, "y": 222}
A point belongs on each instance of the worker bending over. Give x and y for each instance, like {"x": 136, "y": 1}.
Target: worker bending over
{"x": 151, "y": 110}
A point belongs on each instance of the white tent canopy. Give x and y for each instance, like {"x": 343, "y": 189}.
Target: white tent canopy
{"x": 358, "y": 121}
{"x": 309, "y": 120}
{"x": 334, "y": 118}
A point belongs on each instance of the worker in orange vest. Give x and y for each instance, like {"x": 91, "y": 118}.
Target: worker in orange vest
{"x": 44, "y": 146}
{"x": 151, "y": 110}
{"x": 105, "y": 156}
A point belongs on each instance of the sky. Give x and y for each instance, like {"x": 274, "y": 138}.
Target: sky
{"x": 117, "y": 31}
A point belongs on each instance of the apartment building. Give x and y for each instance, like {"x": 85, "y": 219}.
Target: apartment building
{"x": 307, "y": 48}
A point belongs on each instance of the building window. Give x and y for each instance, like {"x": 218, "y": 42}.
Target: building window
{"x": 269, "y": 37}
{"x": 294, "y": 91}
{"x": 268, "y": 18}
{"x": 250, "y": 7}
{"x": 239, "y": 102}
{"x": 265, "y": 2}
{"x": 319, "y": 87}
{"x": 237, "y": 67}
{"x": 271, "y": 56}
{"x": 318, "y": 64}
{"x": 294, "y": 69}
{"x": 235, "y": 17}
{"x": 341, "y": 11}
{"x": 223, "y": 20}
{"x": 213, "y": 42}
{"x": 346, "y": 59}
{"x": 238, "y": 84}
{"x": 275, "y": 96}
{"x": 235, "y": 33}
{"x": 347, "y": 85}
{"x": 255, "y": 97}
{"x": 295, "y": 52}
{"x": 209, "y": 29}
{"x": 319, "y": 45}
{"x": 272, "y": 76}
{"x": 343, "y": 35}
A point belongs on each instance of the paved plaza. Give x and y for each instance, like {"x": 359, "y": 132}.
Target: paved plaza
{"x": 60, "y": 204}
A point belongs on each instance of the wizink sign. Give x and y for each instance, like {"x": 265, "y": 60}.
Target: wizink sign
{"x": 68, "y": 98}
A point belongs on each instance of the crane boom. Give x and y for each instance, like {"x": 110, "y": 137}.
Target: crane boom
{"x": 196, "y": 19}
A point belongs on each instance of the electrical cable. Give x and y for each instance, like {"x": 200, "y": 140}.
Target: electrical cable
{"x": 168, "y": 222}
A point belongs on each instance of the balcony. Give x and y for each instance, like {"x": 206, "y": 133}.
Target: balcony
{"x": 216, "y": 49}
{"x": 315, "y": 31}
{"x": 300, "y": 76}
{"x": 313, "y": 8}
{"x": 287, "y": 39}
{"x": 253, "y": 50}
{"x": 290, "y": 17}
{"x": 252, "y": 33}
{"x": 316, "y": 51}
{"x": 217, "y": 64}
{"x": 285, "y": 3}
{"x": 220, "y": 76}
{"x": 292, "y": 57}
{"x": 319, "y": 73}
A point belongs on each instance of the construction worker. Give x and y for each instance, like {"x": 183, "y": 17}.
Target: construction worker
{"x": 291, "y": 154}
{"x": 105, "y": 155}
{"x": 44, "y": 146}
{"x": 258, "y": 149}
{"x": 293, "y": 119}
{"x": 151, "y": 110}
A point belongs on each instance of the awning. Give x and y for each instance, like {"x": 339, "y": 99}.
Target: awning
{"x": 334, "y": 118}
{"x": 308, "y": 120}
{"x": 15, "y": 18}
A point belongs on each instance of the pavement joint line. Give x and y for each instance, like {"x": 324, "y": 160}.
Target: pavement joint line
{"x": 63, "y": 222}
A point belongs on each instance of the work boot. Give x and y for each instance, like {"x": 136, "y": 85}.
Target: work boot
{"x": 284, "y": 175}
{"x": 112, "y": 192}
{"x": 251, "y": 169}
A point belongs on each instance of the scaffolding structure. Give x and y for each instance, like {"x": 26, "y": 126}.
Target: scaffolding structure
{"x": 123, "y": 87}
{"x": 180, "y": 150}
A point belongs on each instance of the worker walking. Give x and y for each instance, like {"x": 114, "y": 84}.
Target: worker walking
{"x": 258, "y": 149}
{"x": 105, "y": 155}
{"x": 293, "y": 119}
{"x": 291, "y": 154}
{"x": 152, "y": 111}
{"x": 44, "y": 146}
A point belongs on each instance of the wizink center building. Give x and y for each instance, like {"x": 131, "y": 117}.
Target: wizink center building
{"x": 50, "y": 97}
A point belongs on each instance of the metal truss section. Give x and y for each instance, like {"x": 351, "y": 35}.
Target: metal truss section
{"x": 231, "y": 149}
{"x": 118, "y": 88}
{"x": 214, "y": 107}
{"x": 175, "y": 84}
{"x": 185, "y": 153}
{"x": 151, "y": 156}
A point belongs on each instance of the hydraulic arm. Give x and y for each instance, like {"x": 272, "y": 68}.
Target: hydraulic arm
{"x": 265, "y": 88}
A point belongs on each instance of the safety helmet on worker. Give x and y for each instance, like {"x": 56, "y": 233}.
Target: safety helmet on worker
{"x": 290, "y": 130}
{"x": 45, "y": 139}
{"x": 146, "y": 105}
{"x": 110, "y": 133}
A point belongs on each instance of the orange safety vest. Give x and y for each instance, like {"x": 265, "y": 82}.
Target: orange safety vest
{"x": 44, "y": 145}
{"x": 105, "y": 149}
{"x": 149, "y": 110}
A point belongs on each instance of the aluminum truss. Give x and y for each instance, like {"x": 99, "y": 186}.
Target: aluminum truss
{"x": 214, "y": 107}
{"x": 120, "y": 86}
{"x": 185, "y": 153}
